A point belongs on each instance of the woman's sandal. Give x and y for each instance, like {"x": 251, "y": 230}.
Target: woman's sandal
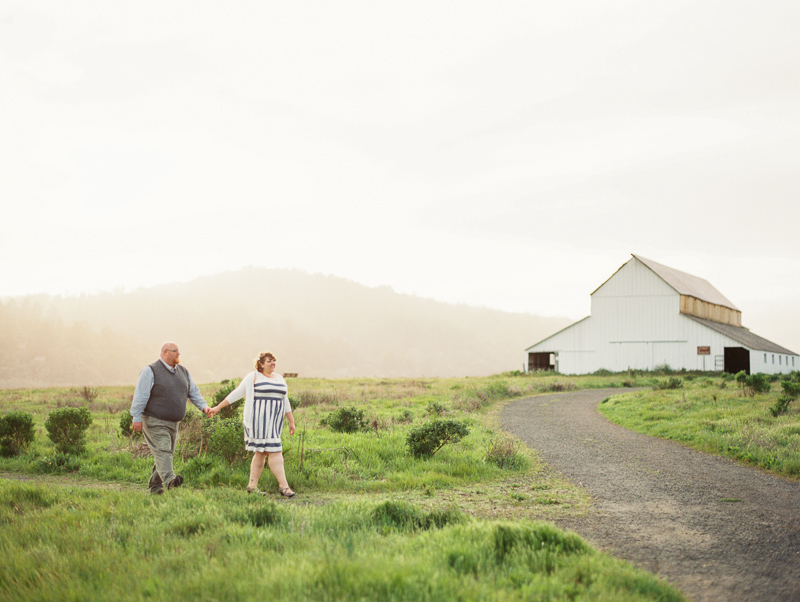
{"x": 256, "y": 490}
{"x": 287, "y": 492}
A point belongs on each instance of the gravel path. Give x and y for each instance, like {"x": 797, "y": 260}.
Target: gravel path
{"x": 716, "y": 530}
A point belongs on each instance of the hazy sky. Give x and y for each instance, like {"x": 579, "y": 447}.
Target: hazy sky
{"x": 502, "y": 154}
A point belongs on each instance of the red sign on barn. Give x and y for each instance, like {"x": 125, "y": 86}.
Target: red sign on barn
{"x": 704, "y": 351}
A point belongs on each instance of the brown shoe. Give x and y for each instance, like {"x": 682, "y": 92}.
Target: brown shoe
{"x": 176, "y": 482}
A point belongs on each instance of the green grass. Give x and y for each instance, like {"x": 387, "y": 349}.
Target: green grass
{"x": 713, "y": 415}
{"x": 370, "y": 522}
{"x": 318, "y": 459}
{"x": 73, "y": 543}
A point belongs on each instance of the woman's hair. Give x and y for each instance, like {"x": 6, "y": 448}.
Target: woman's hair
{"x": 262, "y": 359}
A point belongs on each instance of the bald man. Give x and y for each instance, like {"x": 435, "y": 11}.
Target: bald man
{"x": 159, "y": 405}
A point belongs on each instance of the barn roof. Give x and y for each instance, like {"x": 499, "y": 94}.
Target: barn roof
{"x": 743, "y": 335}
{"x": 686, "y": 284}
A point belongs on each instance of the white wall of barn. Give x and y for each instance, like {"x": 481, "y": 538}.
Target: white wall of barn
{"x": 773, "y": 363}
{"x": 636, "y": 323}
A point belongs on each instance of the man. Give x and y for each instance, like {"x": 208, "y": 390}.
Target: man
{"x": 159, "y": 404}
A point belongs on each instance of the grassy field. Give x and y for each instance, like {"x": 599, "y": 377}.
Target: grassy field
{"x": 714, "y": 415}
{"x": 370, "y": 521}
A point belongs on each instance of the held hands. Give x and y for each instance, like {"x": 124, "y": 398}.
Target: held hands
{"x": 211, "y": 412}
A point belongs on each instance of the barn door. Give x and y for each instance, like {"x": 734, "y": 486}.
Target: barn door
{"x": 737, "y": 359}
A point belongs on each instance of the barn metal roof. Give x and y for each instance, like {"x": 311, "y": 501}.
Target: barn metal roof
{"x": 686, "y": 284}
{"x": 743, "y": 335}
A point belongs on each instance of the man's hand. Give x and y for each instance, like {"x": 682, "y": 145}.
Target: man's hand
{"x": 208, "y": 411}
{"x": 137, "y": 426}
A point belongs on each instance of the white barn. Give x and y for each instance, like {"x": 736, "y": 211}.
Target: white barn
{"x": 647, "y": 315}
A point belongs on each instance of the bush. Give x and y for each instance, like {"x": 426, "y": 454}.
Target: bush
{"x": 126, "y": 426}
{"x": 791, "y": 391}
{"x": 226, "y": 439}
{"x": 16, "y": 433}
{"x": 435, "y": 408}
{"x": 781, "y": 406}
{"x": 672, "y": 383}
{"x": 89, "y": 394}
{"x": 194, "y": 435}
{"x": 758, "y": 383}
{"x": 66, "y": 428}
{"x": 228, "y": 411}
{"x": 406, "y": 416}
{"x": 58, "y": 463}
{"x": 752, "y": 383}
{"x": 429, "y": 438}
{"x": 347, "y": 420}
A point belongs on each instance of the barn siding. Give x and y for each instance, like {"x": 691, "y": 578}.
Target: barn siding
{"x": 702, "y": 309}
{"x": 638, "y": 321}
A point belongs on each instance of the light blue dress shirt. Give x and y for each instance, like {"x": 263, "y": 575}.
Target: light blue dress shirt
{"x": 145, "y": 385}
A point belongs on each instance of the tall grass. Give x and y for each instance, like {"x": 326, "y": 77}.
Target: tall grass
{"x": 203, "y": 545}
{"x": 317, "y": 459}
{"x": 709, "y": 415}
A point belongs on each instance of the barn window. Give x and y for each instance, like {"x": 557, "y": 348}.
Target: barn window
{"x": 773, "y": 359}
{"x": 765, "y": 358}
{"x": 780, "y": 360}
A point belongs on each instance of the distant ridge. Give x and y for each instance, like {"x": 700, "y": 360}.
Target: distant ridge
{"x": 318, "y": 326}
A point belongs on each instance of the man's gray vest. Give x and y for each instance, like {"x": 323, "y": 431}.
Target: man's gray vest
{"x": 169, "y": 394}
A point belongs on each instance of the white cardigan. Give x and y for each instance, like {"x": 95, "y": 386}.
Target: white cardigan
{"x": 246, "y": 389}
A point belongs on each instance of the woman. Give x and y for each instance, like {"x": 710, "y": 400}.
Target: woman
{"x": 266, "y": 403}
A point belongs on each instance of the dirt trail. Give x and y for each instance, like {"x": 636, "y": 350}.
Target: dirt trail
{"x": 718, "y": 531}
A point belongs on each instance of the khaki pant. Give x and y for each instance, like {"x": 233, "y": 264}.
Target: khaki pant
{"x": 161, "y": 437}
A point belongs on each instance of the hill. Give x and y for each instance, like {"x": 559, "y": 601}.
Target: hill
{"x": 320, "y": 326}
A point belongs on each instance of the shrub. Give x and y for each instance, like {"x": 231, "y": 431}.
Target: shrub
{"x": 406, "y": 416}
{"x": 16, "y": 433}
{"x": 758, "y": 383}
{"x": 66, "y": 428}
{"x": 126, "y": 426}
{"x": 435, "y": 408}
{"x": 226, "y": 439}
{"x": 673, "y": 382}
{"x": 347, "y": 420}
{"x": 58, "y": 463}
{"x": 781, "y": 406}
{"x": 89, "y": 394}
{"x": 228, "y": 411}
{"x": 194, "y": 435}
{"x": 791, "y": 391}
{"x": 429, "y": 438}
{"x": 752, "y": 383}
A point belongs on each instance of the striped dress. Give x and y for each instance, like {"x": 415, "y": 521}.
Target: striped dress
{"x": 263, "y": 425}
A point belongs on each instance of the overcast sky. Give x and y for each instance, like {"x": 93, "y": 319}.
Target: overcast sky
{"x": 510, "y": 155}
